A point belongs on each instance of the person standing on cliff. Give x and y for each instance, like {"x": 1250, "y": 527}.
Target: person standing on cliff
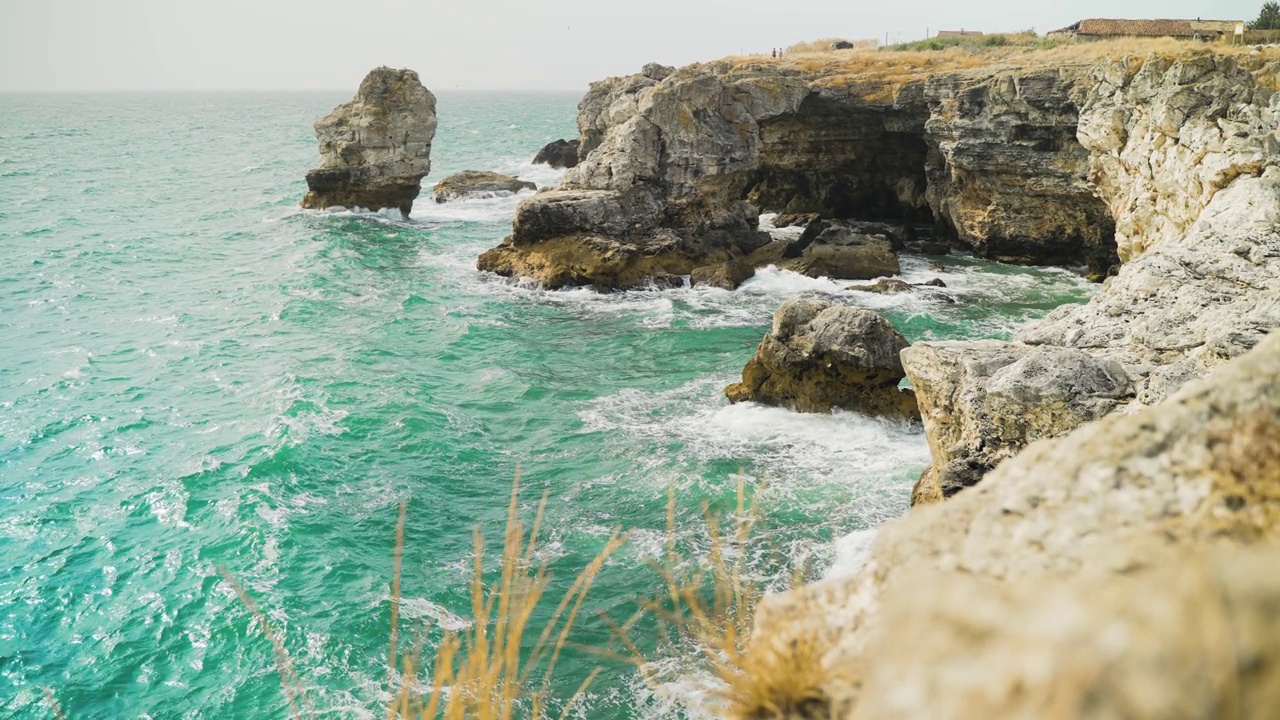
{"x": 774, "y": 53}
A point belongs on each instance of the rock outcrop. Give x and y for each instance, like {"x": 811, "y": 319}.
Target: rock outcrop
{"x": 989, "y": 155}
{"x": 983, "y": 401}
{"x": 842, "y": 251}
{"x": 558, "y": 154}
{"x": 478, "y": 183}
{"x": 1185, "y": 151}
{"x": 376, "y": 149}
{"x": 1020, "y": 583}
{"x": 822, "y": 355}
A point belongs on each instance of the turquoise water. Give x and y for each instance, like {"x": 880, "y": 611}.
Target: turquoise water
{"x": 194, "y": 374}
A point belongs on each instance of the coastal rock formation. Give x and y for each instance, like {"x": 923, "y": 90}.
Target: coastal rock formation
{"x": 988, "y": 155}
{"x": 821, "y": 355}
{"x": 1193, "y": 636}
{"x": 726, "y": 275}
{"x": 558, "y": 154}
{"x": 478, "y": 183}
{"x": 842, "y": 252}
{"x": 983, "y": 401}
{"x": 1192, "y": 294}
{"x": 1140, "y": 495}
{"x": 375, "y": 150}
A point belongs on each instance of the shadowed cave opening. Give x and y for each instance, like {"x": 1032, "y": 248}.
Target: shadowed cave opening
{"x": 843, "y": 161}
{"x": 1020, "y": 187}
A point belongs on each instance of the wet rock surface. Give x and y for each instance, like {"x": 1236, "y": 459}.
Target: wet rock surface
{"x": 822, "y": 355}
{"x": 558, "y": 154}
{"x": 478, "y": 183}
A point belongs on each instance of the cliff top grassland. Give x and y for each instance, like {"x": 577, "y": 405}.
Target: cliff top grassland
{"x": 897, "y": 64}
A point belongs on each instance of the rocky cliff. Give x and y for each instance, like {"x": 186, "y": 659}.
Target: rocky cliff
{"x": 677, "y": 165}
{"x": 1183, "y": 150}
{"x": 376, "y": 149}
{"x": 1097, "y": 575}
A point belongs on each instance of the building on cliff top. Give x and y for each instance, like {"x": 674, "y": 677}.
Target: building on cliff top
{"x": 1101, "y": 28}
{"x": 959, "y": 33}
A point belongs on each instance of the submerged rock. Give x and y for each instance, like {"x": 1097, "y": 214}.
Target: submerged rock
{"x": 821, "y": 355}
{"x": 376, "y": 149}
{"x": 558, "y": 154}
{"x": 479, "y": 183}
{"x": 726, "y": 275}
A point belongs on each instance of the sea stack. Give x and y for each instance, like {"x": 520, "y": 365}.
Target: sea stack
{"x": 376, "y": 149}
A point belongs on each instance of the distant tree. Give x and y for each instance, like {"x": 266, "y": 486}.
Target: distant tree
{"x": 1268, "y": 18}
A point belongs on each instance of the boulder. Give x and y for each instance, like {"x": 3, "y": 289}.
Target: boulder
{"x": 984, "y": 400}
{"x": 821, "y": 355}
{"x": 842, "y": 45}
{"x": 842, "y": 251}
{"x": 884, "y": 286}
{"x": 478, "y": 183}
{"x": 376, "y": 149}
{"x": 558, "y": 154}
{"x": 725, "y": 275}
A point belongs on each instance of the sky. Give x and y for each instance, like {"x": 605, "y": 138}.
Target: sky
{"x": 69, "y": 45}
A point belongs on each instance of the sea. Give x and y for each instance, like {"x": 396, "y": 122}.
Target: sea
{"x": 198, "y": 377}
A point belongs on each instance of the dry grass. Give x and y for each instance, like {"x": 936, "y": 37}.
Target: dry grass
{"x": 711, "y": 603}
{"x": 824, "y": 45}
{"x": 916, "y": 61}
{"x": 487, "y": 672}
{"x": 495, "y": 669}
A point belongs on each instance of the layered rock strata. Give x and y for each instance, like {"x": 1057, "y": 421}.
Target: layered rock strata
{"x": 478, "y": 183}
{"x": 821, "y": 355}
{"x": 1185, "y": 152}
{"x": 988, "y": 155}
{"x": 375, "y": 150}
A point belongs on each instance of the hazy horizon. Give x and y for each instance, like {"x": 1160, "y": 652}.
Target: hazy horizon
{"x": 560, "y": 45}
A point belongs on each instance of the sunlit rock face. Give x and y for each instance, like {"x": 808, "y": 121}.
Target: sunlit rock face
{"x": 375, "y": 150}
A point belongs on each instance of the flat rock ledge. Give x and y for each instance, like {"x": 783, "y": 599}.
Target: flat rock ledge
{"x": 821, "y": 355}
{"x": 478, "y": 184}
{"x": 375, "y": 150}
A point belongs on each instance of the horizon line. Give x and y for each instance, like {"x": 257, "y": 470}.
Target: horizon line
{"x": 70, "y": 91}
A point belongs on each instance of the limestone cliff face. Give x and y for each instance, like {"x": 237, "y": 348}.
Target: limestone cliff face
{"x": 996, "y": 602}
{"x": 376, "y": 149}
{"x": 1183, "y": 151}
{"x": 988, "y": 156}
{"x": 1009, "y": 177}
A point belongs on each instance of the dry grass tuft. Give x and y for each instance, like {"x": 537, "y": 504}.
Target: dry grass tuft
{"x": 711, "y": 603}
{"x": 824, "y": 45}
{"x": 52, "y": 702}
{"x": 901, "y": 64}
{"x": 292, "y": 684}
{"x": 485, "y": 673}
{"x": 494, "y": 670}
